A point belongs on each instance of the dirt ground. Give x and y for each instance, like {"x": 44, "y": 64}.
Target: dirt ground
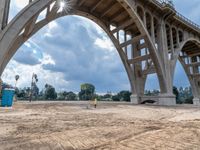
{"x": 74, "y": 125}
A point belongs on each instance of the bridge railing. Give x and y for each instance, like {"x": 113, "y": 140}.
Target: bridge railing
{"x": 188, "y": 21}
{"x": 164, "y": 3}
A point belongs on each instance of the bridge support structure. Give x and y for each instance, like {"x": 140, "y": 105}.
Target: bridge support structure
{"x": 4, "y": 13}
{"x": 150, "y": 39}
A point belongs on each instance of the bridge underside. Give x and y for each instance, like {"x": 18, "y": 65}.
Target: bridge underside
{"x": 149, "y": 38}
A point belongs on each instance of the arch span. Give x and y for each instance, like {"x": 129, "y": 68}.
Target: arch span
{"x": 189, "y": 57}
{"x": 25, "y": 24}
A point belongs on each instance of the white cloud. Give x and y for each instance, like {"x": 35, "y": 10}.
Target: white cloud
{"x": 34, "y": 51}
{"x": 27, "y": 44}
{"x": 105, "y": 44}
{"x": 20, "y": 3}
{"x": 25, "y": 72}
{"x": 47, "y": 59}
{"x": 51, "y": 27}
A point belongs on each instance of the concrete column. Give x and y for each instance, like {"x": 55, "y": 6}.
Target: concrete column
{"x": 163, "y": 51}
{"x": 125, "y": 39}
{"x": 166, "y": 97}
{"x": 118, "y": 36}
{"x": 196, "y": 91}
{"x": 145, "y": 19}
{"x": 132, "y": 51}
{"x": 194, "y": 80}
{"x": 4, "y": 13}
{"x": 196, "y": 101}
{"x": 195, "y": 68}
{"x": 139, "y": 80}
{"x": 152, "y": 29}
{"x": 171, "y": 43}
{"x": 178, "y": 39}
{"x": 135, "y": 97}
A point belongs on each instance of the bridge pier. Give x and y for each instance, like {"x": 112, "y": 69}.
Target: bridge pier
{"x": 196, "y": 101}
{"x": 162, "y": 99}
{"x": 166, "y": 100}
{"x": 134, "y": 99}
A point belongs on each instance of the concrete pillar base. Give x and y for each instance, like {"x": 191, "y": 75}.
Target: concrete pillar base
{"x": 196, "y": 101}
{"x": 134, "y": 99}
{"x": 166, "y": 100}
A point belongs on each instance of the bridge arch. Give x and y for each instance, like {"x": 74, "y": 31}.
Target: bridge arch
{"x": 24, "y": 25}
{"x": 189, "y": 57}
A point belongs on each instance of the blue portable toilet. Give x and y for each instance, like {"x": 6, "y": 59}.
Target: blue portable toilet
{"x": 7, "y": 97}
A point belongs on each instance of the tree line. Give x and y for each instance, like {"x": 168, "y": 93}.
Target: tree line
{"x": 183, "y": 95}
{"x": 87, "y": 92}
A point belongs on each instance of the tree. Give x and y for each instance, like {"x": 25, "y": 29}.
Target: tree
{"x": 20, "y": 93}
{"x": 98, "y": 97}
{"x": 64, "y": 94}
{"x": 124, "y": 95}
{"x": 27, "y": 91}
{"x": 148, "y": 93}
{"x": 176, "y": 93}
{"x": 35, "y": 90}
{"x": 50, "y": 92}
{"x": 71, "y": 96}
{"x": 87, "y": 91}
{"x": 67, "y": 96}
{"x": 107, "y": 97}
{"x": 41, "y": 95}
{"x": 115, "y": 98}
{"x": 155, "y": 92}
{"x": 189, "y": 100}
{"x": 60, "y": 96}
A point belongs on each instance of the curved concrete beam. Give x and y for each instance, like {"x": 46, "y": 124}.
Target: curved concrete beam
{"x": 8, "y": 39}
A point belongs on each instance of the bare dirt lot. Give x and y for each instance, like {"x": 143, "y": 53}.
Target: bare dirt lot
{"x": 70, "y": 125}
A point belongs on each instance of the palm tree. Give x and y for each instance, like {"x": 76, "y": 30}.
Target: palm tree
{"x": 16, "y": 79}
{"x": 33, "y": 82}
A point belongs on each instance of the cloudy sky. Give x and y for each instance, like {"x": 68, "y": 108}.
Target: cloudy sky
{"x": 74, "y": 50}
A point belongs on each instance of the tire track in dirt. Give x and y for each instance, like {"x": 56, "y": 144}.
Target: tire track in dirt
{"x": 63, "y": 126}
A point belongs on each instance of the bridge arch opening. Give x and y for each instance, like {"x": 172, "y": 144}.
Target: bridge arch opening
{"x": 189, "y": 59}
{"x": 182, "y": 84}
{"x": 152, "y": 83}
{"x": 151, "y": 90}
{"x": 96, "y": 43}
{"x": 122, "y": 15}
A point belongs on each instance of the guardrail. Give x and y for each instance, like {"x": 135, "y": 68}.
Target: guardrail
{"x": 188, "y": 21}
{"x": 164, "y": 3}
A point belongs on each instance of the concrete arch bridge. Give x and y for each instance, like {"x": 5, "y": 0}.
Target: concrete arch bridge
{"x": 149, "y": 35}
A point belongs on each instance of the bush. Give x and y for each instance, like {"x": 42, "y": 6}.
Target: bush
{"x": 189, "y": 100}
{"x": 115, "y": 98}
